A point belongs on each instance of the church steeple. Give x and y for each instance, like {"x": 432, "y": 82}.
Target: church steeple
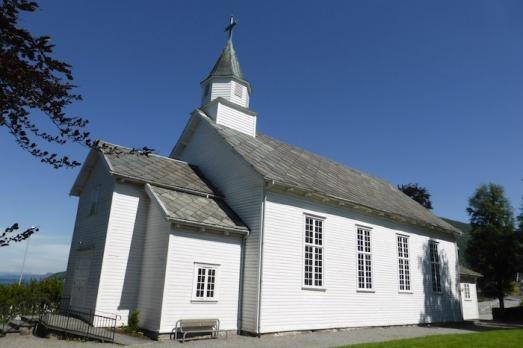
{"x": 226, "y": 79}
{"x": 228, "y": 63}
{"x": 226, "y": 92}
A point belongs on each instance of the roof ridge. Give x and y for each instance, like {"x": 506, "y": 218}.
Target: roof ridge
{"x": 150, "y": 154}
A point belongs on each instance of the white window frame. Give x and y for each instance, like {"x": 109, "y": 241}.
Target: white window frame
{"x": 94, "y": 199}
{"x": 314, "y": 247}
{"x": 435, "y": 276}
{"x": 206, "y": 267}
{"x": 365, "y": 254}
{"x": 406, "y": 261}
{"x": 466, "y": 292}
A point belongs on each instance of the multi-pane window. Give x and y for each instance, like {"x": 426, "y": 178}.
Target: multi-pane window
{"x": 466, "y": 290}
{"x": 313, "y": 258}
{"x": 364, "y": 259}
{"x": 93, "y": 203}
{"x": 205, "y": 282}
{"x": 403, "y": 263}
{"x": 238, "y": 90}
{"x": 435, "y": 267}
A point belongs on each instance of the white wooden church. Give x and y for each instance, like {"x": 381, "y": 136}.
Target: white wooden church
{"x": 260, "y": 234}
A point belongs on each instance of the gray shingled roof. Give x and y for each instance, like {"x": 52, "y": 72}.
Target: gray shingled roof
{"x": 227, "y": 64}
{"x": 195, "y": 209}
{"x": 295, "y": 167}
{"x": 468, "y": 272}
{"x": 158, "y": 170}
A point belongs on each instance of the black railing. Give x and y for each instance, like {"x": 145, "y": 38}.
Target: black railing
{"x": 85, "y": 323}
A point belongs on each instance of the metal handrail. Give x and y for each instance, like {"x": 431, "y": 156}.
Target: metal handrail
{"x": 81, "y": 323}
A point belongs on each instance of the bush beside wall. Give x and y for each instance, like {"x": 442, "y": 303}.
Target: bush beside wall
{"x": 508, "y": 314}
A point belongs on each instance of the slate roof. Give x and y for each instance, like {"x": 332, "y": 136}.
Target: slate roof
{"x": 194, "y": 209}
{"x": 182, "y": 192}
{"x": 158, "y": 170}
{"x": 468, "y": 272}
{"x": 296, "y": 167}
{"x": 227, "y": 64}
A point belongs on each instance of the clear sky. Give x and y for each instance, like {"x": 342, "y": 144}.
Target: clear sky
{"x": 411, "y": 91}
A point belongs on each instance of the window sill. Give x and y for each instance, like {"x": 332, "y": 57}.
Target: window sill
{"x": 468, "y": 299}
{"x": 405, "y": 292}
{"x": 311, "y": 288}
{"x": 366, "y": 290}
{"x": 204, "y": 301}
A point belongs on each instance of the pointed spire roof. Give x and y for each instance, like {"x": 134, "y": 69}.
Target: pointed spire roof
{"x": 227, "y": 64}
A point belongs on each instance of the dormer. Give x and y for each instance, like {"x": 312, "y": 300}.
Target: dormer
{"x": 226, "y": 93}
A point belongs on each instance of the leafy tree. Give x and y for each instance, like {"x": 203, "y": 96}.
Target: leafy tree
{"x": 494, "y": 247}
{"x": 520, "y": 219}
{"x": 34, "y": 86}
{"x": 11, "y": 235}
{"x": 33, "y": 83}
{"x": 418, "y": 193}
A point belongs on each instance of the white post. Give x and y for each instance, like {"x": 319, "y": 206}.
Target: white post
{"x": 23, "y": 262}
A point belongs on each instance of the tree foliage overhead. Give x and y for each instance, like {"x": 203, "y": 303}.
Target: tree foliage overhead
{"x": 494, "y": 248}
{"x": 32, "y": 82}
{"x": 418, "y": 193}
{"x": 11, "y": 234}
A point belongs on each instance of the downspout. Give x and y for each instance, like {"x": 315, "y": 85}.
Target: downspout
{"x": 240, "y": 290}
{"x": 260, "y": 265}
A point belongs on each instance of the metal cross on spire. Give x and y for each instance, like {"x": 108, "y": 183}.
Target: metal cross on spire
{"x": 230, "y": 27}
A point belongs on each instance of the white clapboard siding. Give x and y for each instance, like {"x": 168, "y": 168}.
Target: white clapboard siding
{"x": 154, "y": 262}
{"x": 236, "y": 119}
{"x": 121, "y": 270}
{"x": 243, "y": 190}
{"x": 89, "y": 235}
{"x": 225, "y": 88}
{"x": 285, "y": 306}
{"x": 187, "y": 248}
{"x": 470, "y": 306}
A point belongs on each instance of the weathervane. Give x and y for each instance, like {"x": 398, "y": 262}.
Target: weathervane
{"x": 230, "y": 27}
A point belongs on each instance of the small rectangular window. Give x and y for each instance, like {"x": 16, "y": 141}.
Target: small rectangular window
{"x": 238, "y": 90}
{"x": 313, "y": 257}
{"x": 403, "y": 263}
{"x": 204, "y": 282}
{"x": 93, "y": 200}
{"x": 364, "y": 259}
{"x": 466, "y": 290}
{"x": 435, "y": 267}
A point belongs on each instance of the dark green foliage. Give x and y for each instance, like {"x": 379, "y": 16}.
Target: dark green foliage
{"x": 133, "y": 320}
{"x": 418, "y": 193}
{"x": 493, "y": 248}
{"x": 30, "y": 298}
{"x": 520, "y": 219}
{"x": 461, "y": 240}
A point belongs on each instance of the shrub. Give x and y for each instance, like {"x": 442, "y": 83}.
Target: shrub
{"x": 133, "y": 321}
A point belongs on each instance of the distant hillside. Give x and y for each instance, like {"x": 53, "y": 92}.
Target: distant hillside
{"x": 57, "y": 275}
{"x": 462, "y": 241}
{"x": 14, "y": 277}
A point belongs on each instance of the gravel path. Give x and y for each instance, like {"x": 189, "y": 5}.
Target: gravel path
{"x": 313, "y": 339}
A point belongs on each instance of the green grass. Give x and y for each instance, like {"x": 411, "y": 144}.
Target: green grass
{"x": 488, "y": 339}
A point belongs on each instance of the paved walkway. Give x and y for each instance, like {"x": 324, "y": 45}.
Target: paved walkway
{"x": 322, "y": 339}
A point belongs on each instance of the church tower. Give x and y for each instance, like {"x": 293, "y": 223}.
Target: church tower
{"x": 226, "y": 93}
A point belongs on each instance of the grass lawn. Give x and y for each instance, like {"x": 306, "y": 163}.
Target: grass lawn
{"x": 488, "y": 339}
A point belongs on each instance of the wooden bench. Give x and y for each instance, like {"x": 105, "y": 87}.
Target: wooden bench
{"x": 185, "y": 326}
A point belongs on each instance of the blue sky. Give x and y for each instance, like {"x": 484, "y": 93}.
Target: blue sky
{"x": 411, "y": 91}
